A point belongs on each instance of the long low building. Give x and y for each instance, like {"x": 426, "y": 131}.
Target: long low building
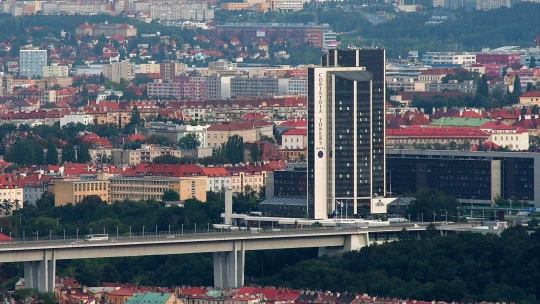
{"x": 472, "y": 177}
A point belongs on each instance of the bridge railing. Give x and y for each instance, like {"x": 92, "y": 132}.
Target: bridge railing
{"x": 38, "y": 239}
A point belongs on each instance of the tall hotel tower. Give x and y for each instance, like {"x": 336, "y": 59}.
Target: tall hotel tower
{"x": 346, "y": 132}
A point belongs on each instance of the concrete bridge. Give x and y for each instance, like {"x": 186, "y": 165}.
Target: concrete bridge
{"x": 229, "y": 247}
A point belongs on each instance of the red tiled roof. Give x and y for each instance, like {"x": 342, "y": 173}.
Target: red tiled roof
{"x": 422, "y": 132}
{"x": 239, "y": 125}
{"x": 296, "y": 132}
{"x": 294, "y": 123}
{"x": 437, "y": 72}
{"x": 531, "y": 94}
{"x": 215, "y": 171}
{"x": 135, "y": 137}
{"x": 497, "y": 125}
{"x": 122, "y": 292}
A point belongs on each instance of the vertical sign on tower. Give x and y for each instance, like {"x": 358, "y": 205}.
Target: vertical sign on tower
{"x": 320, "y": 142}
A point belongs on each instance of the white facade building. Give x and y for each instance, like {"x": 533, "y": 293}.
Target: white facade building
{"x": 449, "y": 58}
{"x": 297, "y": 86}
{"x": 13, "y": 194}
{"x": 85, "y": 119}
{"x": 294, "y": 139}
{"x": 31, "y": 62}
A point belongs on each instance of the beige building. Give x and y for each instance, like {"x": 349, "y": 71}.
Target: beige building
{"x": 109, "y": 30}
{"x": 55, "y": 71}
{"x": 530, "y": 98}
{"x": 48, "y": 82}
{"x": 116, "y": 118}
{"x": 13, "y": 194}
{"x": 146, "y": 154}
{"x": 150, "y": 68}
{"x": 6, "y": 84}
{"x": 250, "y": 131}
{"x": 118, "y": 70}
{"x": 74, "y": 191}
{"x": 145, "y": 188}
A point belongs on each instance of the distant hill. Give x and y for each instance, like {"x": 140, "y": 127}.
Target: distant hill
{"x": 470, "y": 31}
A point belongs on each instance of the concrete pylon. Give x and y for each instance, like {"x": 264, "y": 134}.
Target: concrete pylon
{"x": 228, "y": 207}
{"x": 41, "y": 274}
{"x": 229, "y": 267}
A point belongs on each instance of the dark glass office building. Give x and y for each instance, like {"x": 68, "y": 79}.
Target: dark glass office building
{"x": 474, "y": 177}
{"x": 346, "y": 156}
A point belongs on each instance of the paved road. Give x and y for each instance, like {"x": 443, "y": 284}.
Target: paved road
{"x": 187, "y": 236}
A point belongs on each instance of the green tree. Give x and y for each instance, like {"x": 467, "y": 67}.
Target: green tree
{"x": 83, "y": 154}
{"x": 68, "y": 154}
{"x": 189, "y": 141}
{"x": 483, "y": 88}
{"x": 39, "y": 155}
{"x": 517, "y": 86}
{"x": 532, "y": 63}
{"x": 254, "y": 153}
{"x": 170, "y": 196}
{"x": 46, "y": 201}
{"x": 234, "y": 149}
{"x": 51, "y": 158}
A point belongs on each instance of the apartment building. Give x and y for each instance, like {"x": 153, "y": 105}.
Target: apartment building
{"x": 467, "y": 86}
{"x": 191, "y": 87}
{"x": 250, "y": 131}
{"x": 194, "y": 11}
{"x": 150, "y": 68}
{"x": 31, "y": 63}
{"x": 287, "y": 5}
{"x": 258, "y": 86}
{"x": 293, "y": 33}
{"x": 118, "y": 70}
{"x": 139, "y": 188}
{"x": 297, "y": 86}
{"x": 248, "y": 177}
{"x": 12, "y": 193}
{"x": 248, "y": 5}
{"x": 169, "y": 70}
{"x": 118, "y": 118}
{"x": 74, "y": 191}
{"x": 109, "y": 30}
{"x": 76, "y": 118}
{"x": 217, "y": 178}
{"x": 146, "y": 154}
{"x": 6, "y": 84}
{"x": 484, "y": 5}
{"x": 448, "y": 58}
{"x": 55, "y": 71}
{"x": 294, "y": 139}
{"x": 174, "y": 132}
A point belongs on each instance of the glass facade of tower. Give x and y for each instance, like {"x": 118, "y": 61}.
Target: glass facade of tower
{"x": 355, "y": 107}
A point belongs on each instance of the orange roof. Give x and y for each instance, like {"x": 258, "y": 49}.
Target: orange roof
{"x": 296, "y": 132}
{"x": 136, "y": 137}
{"x": 531, "y": 94}
{"x": 122, "y": 292}
{"x": 215, "y": 171}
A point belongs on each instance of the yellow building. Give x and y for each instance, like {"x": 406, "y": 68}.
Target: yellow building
{"x": 145, "y": 188}
{"x": 119, "y": 118}
{"x": 191, "y": 188}
{"x": 74, "y": 191}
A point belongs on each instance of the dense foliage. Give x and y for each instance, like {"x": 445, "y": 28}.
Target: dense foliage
{"x": 94, "y": 214}
{"x": 466, "y": 267}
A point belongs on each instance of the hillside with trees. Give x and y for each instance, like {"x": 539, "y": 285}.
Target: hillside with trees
{"x": 467, "y": 267}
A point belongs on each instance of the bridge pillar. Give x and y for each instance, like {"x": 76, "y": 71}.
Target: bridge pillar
{"x": 41, "y": 274}
{"x": 352, "y": 242}
{"x": 229, "y": 267}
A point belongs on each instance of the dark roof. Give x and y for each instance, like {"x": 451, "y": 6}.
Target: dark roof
{"x": 285, "y": 201}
